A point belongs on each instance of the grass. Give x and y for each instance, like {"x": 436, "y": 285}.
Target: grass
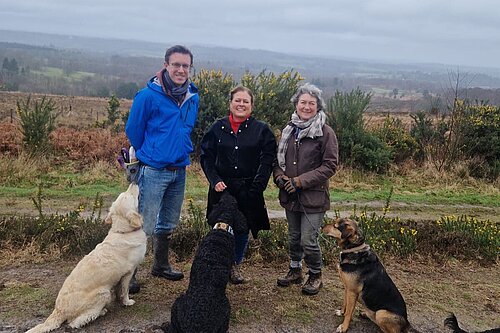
{"x": 54, "y": 72}
{"x": 27, "y": 295}
{"x": 419, "y": 192}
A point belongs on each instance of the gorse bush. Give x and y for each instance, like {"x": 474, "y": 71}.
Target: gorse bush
{"x": 469, "y": 132}
{"x": 213, "y": 88}
{"x": 481, "y": 137}
{"x": 423, "y": 132}
{"x": 387, "y": 235}
{"x": 399, "y": 141}
{"x": 272, "y": 245}
{"x": 272, "y": 94}
{"x": 484, "y": 236}
{"x": 357, "y": 147}
{"x": 37, "y": 122}
{"x": 71, "y": 234}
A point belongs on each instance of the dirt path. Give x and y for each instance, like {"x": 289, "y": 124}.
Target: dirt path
{"x": 28, "y": 292}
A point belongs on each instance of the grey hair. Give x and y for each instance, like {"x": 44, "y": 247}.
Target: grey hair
{"x": 312, "y": 90}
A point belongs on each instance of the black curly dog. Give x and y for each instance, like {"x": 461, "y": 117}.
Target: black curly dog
{"x": 205, "y": 307}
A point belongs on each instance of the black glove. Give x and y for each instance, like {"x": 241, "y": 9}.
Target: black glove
{"x": 292, "y": 185}
{"x": 280, "y": 181}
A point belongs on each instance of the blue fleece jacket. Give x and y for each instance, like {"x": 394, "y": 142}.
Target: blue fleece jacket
{"x": 160, "y": 129}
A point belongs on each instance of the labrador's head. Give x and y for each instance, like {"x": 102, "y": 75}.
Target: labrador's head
{"x": 124, "y": 212}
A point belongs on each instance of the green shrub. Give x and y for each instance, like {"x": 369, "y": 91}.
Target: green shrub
{"x": 388, "y": 235}
{"x": 70, "y": 233}
{"x": 370, "y": 153}
{"x": 481, "y": 137}
{"x": 272, "y": 94}
{"x": 37, "y": 122}
{"x": 394, "y": 134}
{"x": 422, "y": 131}
{"x": 113, "y": 113}
{"x": 357, "y": 147}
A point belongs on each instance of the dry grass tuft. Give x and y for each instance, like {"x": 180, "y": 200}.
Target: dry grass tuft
{"x": 15, "y": 170}
{"x": 101, "y": 170}
{"x": 10, "y": 138}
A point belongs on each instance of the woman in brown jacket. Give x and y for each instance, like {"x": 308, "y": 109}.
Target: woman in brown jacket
{"x": 307, "y": 158}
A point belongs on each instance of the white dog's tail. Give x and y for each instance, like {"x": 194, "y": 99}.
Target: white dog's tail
{"x": 54, "y": 321}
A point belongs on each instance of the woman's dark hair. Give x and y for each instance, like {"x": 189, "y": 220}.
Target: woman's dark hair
{"x": 178, "y": 49}
{"x": 238, "y": 89}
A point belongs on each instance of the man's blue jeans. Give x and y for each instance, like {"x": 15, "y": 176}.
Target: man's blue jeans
{"x": 161, "y": 193}
{"x": 303, "y": 232}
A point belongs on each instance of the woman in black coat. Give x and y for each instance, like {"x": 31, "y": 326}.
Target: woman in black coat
{"x": 237, "y": 154}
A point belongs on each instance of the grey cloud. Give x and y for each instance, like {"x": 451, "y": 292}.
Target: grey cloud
{"x": 455, "y": 32}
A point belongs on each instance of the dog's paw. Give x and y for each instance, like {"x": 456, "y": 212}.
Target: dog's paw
{"x": 341, "y": 329}
{"x": 339, "y": 313}
{"x": 128, "y": 302}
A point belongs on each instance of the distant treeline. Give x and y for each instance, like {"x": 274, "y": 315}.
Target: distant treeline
{"x": 49, "y": 70}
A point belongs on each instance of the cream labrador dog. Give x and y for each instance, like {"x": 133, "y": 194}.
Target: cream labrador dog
{"x": 90, "y": 286}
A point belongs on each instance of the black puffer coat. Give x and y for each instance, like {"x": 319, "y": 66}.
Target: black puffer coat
{"x": 243, "y": 161}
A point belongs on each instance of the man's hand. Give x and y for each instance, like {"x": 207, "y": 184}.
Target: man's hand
{"x": 292, "y": 185}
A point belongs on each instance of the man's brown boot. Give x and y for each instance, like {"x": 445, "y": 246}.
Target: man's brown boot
{"x": 313, "y": 284}
{"x": 294, "y": 276}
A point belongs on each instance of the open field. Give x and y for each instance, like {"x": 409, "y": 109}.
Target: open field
{"x": 75, "y": 111}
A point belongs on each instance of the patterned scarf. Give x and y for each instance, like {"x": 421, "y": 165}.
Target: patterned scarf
{"x": 170, "y": 88}
{"x": 311, "y": 128}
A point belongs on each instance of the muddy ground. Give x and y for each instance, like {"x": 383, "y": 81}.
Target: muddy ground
{"x": 29, "y": 283}
{"x": 431, "y": 290}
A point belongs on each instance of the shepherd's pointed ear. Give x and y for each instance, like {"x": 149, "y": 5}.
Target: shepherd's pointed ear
{"x": 353, "y": 233}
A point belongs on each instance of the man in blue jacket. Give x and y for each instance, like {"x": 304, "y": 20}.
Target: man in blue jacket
{"x": 159, "y": 127}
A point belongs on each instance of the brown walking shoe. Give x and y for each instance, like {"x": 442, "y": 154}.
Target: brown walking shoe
{"x": 313, "y": 284}
{"x": 294, "y": 276}
{"x": 236, "y": 277}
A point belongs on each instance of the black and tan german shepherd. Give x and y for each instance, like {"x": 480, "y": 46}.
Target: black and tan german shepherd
{"x": 366, "y": 280}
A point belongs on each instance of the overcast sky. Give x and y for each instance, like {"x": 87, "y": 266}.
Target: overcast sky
{"x": 454, "y": 32}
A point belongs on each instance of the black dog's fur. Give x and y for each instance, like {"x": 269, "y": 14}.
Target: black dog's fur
{"x": 205, "y": 307}
{"x": 452, "y": 323}
{"x": 366, "y": 280}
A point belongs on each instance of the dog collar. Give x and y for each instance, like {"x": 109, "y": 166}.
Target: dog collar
{"x": 361, "y": 248}
{"x": 224, "y": 226}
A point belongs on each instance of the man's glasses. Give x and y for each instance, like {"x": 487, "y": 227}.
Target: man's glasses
{"x": 176, "y": 65}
